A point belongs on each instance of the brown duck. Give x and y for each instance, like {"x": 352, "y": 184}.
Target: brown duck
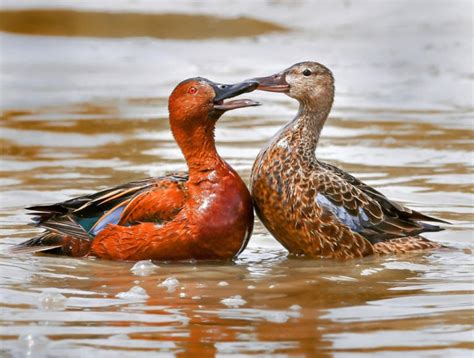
{"x": 314, "y": 208}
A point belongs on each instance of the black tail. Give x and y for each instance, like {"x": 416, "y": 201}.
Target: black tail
{"x": 416, "y": 215}
{"x": 432, "y": 228}
{"x": 45, "y": 242}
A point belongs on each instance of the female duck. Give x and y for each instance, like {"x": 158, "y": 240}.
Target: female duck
{"x": 314, "y": 208}
{"x": 206, "y": 214}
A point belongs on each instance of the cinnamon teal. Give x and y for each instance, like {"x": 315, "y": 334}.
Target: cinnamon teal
{"x": 206, "y": 214}
{"x": 314, "y": 208}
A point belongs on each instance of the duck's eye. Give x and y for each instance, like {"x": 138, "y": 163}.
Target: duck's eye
{"x": 307, "y": 72}
{"x": 192, "y": 90}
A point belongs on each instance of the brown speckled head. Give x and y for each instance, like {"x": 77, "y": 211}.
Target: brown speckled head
{"x": 308, "y": 82}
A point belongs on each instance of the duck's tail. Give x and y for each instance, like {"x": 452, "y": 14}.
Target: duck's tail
{"x": 47, "y": 241}
{"x": 54, "y": 243}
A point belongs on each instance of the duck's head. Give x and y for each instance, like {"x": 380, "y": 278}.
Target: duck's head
{"x": 198, "y": 100}
{"x": 308, "y": 82}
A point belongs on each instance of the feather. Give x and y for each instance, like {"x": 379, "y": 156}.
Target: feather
{"x": 44, "y": 242}
{"x": 365, "y": 210}
{"x": 77, "y": 220}
{"x": 112, "y": 217}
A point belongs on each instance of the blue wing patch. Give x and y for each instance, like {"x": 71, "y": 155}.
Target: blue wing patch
{"x": 355, "y": 223}
{"x": 112, "y": 217}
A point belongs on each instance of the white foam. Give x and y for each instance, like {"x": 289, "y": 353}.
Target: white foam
{"x": 143, "y": 268}
{"x": 135, "y": 293}
{"x": 233, "y": 301}
{"x": 170, "y": 283}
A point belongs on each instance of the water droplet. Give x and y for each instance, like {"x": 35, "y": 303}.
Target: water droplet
{"x": 196, "y": 297}
{"x": 369, "y": 271}
{"x": 170, "y": 283}
{"x": 32, "y": 344}
{"x": 51, "y": 301}
{"x": 233, "y": 301}
{"x": 251, "y": 287}
{"x": 223, "y": 284}
{"x": 135, "y": 293}
{"x": 276, "y": 317}
{"x": 143, "y": 268}
{"x": 182, "y": 295}
{"x": 295, "y": 307}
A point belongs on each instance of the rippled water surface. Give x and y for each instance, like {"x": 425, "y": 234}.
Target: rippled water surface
{"x": 82, "y": 113}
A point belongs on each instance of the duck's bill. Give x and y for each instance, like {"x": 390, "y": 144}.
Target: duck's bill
{"x": 224, "y": 91}
{"x": 234, "y": 104}
{"x": 273, "y": 83}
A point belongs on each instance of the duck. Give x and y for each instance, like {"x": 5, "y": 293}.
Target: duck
{"x": 313, "y": 208}
{"x": 204, "y": 214}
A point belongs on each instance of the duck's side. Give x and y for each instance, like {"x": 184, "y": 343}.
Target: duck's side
{"x": 312, "y": 207}
{"x": 204, "y": 215}
{"x": 214, "y": 224}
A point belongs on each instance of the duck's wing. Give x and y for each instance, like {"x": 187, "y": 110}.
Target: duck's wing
{"x": 365, "y": 210}
{"x": 387, "y": 204}
{"x": 82, "y": 218}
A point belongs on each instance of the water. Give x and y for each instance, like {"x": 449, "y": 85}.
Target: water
{"x": 84, "y": 113}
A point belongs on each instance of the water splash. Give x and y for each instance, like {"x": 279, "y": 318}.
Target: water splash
{"x": 143, "y": 268}
{"x": 234, "y": 301}
{"x": 51, "y": 300}
{"x": 170, "y": 283}
{"x": 135, "y": 293}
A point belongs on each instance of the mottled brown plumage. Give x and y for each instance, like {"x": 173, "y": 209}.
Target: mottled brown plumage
{"x": 314, "y": 208}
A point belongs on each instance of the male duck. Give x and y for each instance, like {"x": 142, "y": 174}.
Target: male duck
{"x": 207, "y": 214}
{"x": 314, "y": 208}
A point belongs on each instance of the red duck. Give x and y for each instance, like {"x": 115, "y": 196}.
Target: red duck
{"x": 204, "y": 215}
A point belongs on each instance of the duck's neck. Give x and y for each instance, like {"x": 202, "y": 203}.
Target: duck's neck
{"x": 199, "y": 149}
{"x": 303, "y": 132}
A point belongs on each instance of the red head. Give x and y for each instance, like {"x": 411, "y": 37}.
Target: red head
{"x": 198, "y": 100}
{"x": 195, "y": 105}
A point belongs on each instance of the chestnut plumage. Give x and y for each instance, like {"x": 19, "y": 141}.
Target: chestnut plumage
{"x": 206, "y": 214}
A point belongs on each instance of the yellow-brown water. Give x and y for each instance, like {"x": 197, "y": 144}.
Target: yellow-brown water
{"x": 83, "y": 113}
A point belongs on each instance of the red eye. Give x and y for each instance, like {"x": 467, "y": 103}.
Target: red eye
{"x": 192, "y": 90}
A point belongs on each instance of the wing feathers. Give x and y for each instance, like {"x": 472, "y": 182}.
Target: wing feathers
{"x": 83, "y": 217}
{"x": 364, "y": 209}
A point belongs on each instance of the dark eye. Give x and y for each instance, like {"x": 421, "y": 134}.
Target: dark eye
{"x": 307, "y": 72}
{"x": 192, "y": 90}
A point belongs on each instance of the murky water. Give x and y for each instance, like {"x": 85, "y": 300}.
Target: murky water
{"x": 83, "y": 113}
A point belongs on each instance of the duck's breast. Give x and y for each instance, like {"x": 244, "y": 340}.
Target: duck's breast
{"x": 223, "y": 215}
